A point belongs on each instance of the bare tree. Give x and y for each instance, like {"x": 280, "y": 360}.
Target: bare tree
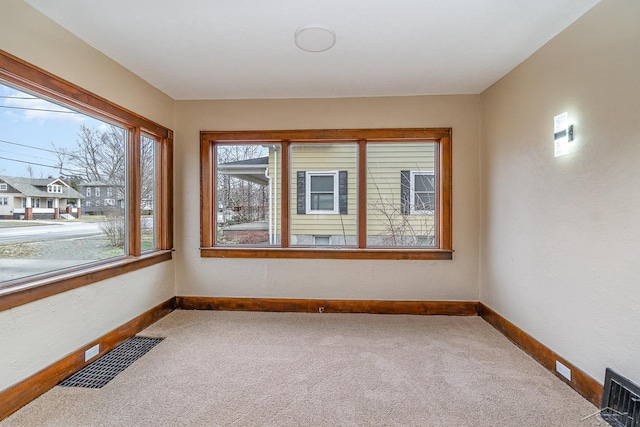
{"x": 248, "y": 198}
{"x": 147, "y": 172}
{"x": 99, "y": 155}
{"x": 400, "y": 227}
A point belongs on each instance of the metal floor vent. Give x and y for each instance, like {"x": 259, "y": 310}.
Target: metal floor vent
{"x": 620, "y": 401}
{"x": 103, "y": 370}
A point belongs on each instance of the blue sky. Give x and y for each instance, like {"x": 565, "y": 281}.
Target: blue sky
{"x": 28, "y": 127}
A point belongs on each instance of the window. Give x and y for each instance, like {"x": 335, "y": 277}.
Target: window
{"x": 3, "y": 187}
{"x": 97, "y": 191}
{"x": 321, "y": 194}
{"x": 370, "y": 194}
{"x": 148, "y": 150}
{"x": 321, "y": 240}
{"x": 54, "y": 188}
{"x": 4, "y": 200}
{"x": 67, "y": 116}
{"x": 109, "y": 192}
{"x": 423, "y": 192}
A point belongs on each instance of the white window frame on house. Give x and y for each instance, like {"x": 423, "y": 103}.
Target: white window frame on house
{"x": 413, "y": 191}
{"x": 88, "y": 192}
{"x": 109, "y": 192}
{"x": 309, "y": 193}
{"x": 3, "y": 187}
{"x": 54, "y": 188}
{"x": 5, "y": 201}
{"x": 97, "y": 192}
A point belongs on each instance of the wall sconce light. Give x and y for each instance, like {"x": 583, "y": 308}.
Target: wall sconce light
{"x": 562, "y": 134}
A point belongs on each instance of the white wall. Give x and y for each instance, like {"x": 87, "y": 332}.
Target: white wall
{"x": 561, "y": 236}
{"x": 37, "y": 334}
{"x": 334, "y": 279}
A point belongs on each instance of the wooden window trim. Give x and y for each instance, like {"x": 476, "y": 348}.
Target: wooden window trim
{"x": 361, "y": 137}
{"x": 28, "y": 77}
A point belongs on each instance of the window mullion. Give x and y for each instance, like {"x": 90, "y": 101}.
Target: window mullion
{"x": 132, "y": 191}
{"x": 361, "y": 188}
{"x": 284, "y": 208}
{"x": 164, "y": 179}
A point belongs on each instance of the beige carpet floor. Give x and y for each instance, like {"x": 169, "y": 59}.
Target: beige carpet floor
{"x": 292, "y": 369}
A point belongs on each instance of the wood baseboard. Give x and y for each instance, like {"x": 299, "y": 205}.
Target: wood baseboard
{"x": 15, "y": 397}
{"x": 589, "y": 388}
{"x": 447, "y": 308}
{"x": 24, "y": 392}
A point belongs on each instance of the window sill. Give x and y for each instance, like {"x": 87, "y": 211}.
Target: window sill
{"x": 14, "y": 294}
{"x": 313, "y": 253}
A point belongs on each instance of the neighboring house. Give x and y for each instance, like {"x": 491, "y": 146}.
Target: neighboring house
{"x": 401, "y": 185}
{"x": 41, "y": 198}
{"x": 100, "y": 196}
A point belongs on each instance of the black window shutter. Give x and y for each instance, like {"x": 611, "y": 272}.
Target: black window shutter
{"x": 343, "y": 192}
{"x": 405, "y": 192}
{"x": 301, "y": 189}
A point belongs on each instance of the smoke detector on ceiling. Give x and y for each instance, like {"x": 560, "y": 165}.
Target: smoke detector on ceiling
{"x": 315, "y": 38}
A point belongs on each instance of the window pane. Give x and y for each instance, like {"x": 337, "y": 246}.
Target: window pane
{"x": 147, "y": 193}
{"x": 424, "y": 183}
{"x": 247, "y": 194}
{"x": 322, "y": 202}
{"x": 322, "y": 183}
{"x": 400, "y": 197}
{"x": 52, "y": 158}
{"x": 323, "y": 195}
{"x": 424, "y": 201}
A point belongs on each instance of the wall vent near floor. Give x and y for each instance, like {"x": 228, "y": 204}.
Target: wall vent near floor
{"x": 620, "y": 401}
{"x": 103, "y": 370}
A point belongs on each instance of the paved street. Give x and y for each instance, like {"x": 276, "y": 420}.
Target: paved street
{"x": 54, "y": 231}
{"x": 15, "y": 268}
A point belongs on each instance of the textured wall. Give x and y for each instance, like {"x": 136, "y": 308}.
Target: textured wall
{"x": 38, "y": 334}
{"x": 337, "y": 279}
{"x": 560, "y": 236}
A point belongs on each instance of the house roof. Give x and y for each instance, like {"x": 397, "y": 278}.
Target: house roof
{"x": 252, "y": 170}
{"x": 37, "y": 187}
{"x": 96, "y": 184}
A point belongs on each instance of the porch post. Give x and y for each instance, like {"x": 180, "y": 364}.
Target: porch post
{"x": 28, "y": 210}
{"x": 56, "y": 208}
{"x": 79, "y": 208}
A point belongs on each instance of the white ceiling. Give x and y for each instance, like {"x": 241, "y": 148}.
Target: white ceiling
{"x": 244, "y": 49}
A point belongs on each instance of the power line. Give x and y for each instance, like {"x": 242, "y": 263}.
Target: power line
{"x": 40, "y": 164}
{"x": 39, "y": 109}
{"x": 18, "y": 97}
{"x": 31, "y": 146}
{"x": 30, "y": 163}
{"x": 24, "y": 155}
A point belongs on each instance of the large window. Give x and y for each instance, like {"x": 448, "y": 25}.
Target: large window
{"x": 378, "y": 193}
{"x": 59, "y": 146}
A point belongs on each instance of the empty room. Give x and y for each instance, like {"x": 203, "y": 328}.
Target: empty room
{"x": 319, "y": 213}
